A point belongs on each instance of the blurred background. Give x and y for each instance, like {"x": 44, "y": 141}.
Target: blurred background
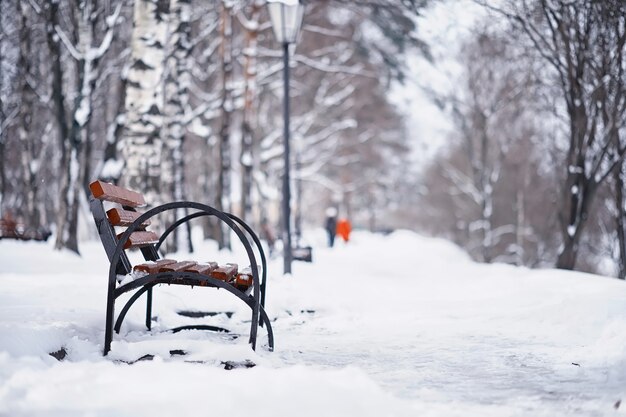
{"x": 498, "y": 125}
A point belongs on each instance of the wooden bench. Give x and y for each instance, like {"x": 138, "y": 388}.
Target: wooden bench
{"x": 245, "y": 284}
{"x": 12, "y": 229}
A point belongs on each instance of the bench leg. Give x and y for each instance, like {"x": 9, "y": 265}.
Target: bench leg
{"x": 108, "y": 331}
{"x": 270, "y": 332}
{"x": 149, "y": 309}
{"x": 128, "y": 305}
{"x": 255, "y": 324}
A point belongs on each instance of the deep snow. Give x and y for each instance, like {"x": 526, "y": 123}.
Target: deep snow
{"x": 398, "y": 325}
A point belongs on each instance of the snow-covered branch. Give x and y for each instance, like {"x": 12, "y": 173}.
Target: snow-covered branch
{"x": 323, "y": 31}
{"x": 463, "y": 183}
{"x": 327, "y": 67}
{"x": 68, "y": 44}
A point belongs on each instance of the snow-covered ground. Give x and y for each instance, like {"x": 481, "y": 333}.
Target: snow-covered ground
{"x": 398, "y": 325}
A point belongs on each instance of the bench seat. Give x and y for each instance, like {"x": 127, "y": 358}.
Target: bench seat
{"x": 242, "y": 280}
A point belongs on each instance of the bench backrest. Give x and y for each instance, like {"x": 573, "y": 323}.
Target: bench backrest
{"x": 120, "y": 216}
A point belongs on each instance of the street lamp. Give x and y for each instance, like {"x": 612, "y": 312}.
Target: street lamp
{"x": 286, "y": 17}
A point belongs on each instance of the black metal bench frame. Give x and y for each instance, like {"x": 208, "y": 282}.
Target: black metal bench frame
{"x": 120, "y": 265}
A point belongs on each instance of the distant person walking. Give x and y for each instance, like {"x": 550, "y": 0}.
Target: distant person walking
{"x": 343, "y": 229}
{"x": 331, "y": 225}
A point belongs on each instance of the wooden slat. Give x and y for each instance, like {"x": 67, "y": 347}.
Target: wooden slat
{"x": 244, "y": 279}
{"x": 204, "y": 268}
{"x": 12, "y": 229}
{"x": 120, "y": 217}
{"x": 140, "y": 239}
{"x": 225, "y": 273}
{"x": 153, "y": 267}
{"x": 178, "y": 266}
{"x": 109, "y": 192}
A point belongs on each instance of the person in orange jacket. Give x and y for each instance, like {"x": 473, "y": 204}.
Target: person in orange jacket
{"x": 344, "y": 228}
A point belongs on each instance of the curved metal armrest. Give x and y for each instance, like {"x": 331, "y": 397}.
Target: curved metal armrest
{"x": 175, "y": 225}
{"x": 203, "y": 208}
{"x": 257, "y": 242}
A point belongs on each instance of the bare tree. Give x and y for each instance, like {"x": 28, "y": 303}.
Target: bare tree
{"x": 573, "y": 37}
{"x": 77, "y": 143}
{"x": 248, "y": 156}
{"x": 481, "y": 192}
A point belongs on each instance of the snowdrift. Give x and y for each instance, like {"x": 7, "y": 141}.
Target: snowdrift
{"x": 398, "y": 325}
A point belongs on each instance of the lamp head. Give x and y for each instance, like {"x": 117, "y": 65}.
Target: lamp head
{"x": 286, "y": 17}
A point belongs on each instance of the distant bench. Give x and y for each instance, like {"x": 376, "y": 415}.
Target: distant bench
{"x": 245, "y": 284}
{"x": 11, "y": 229}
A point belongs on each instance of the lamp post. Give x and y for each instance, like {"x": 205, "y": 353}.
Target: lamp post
{"x": 286, "y": 17}
{"x": 298, "y": 198}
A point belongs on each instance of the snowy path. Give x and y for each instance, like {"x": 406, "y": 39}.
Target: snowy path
{"x": 399, "y": 325}
{"x": 453, "y": 331}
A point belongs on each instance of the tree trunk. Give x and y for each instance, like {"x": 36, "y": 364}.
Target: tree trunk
{"x": 224, "y": 184}
{"x": 2, "y": 119}
{"x": 580, "y": 196}
{"x": 519, "y": 227}
{"x": 247, "y": 168}
{"x": 58, "y": 99}
{"x": 575, "y": 190}
{"x": 618, "y": 176}
{"x": 247, "y": 156}
{"x": 80, "y": 118}
{"x": 73, "y": 133}
{"x": 177, "y": 100}
{"x": 30, "y": 162}
{"x": 110, "y": 170}
{"x": 141, "y": 144}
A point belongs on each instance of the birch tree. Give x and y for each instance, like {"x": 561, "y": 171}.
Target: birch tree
{"x": 177, "y": 96}
{"x": 141, "y": 144}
